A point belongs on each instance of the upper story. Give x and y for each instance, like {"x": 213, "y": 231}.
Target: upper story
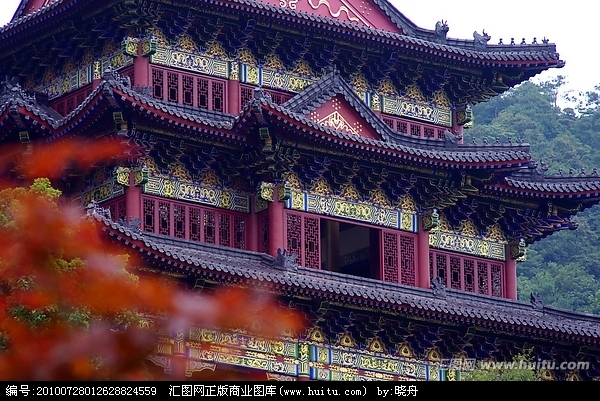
{"x": 298, "y": 128}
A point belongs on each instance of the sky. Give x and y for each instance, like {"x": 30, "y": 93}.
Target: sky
{"x": 571, "y": 27}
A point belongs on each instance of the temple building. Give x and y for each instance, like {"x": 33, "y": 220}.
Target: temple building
{"x": 316, "y": 150}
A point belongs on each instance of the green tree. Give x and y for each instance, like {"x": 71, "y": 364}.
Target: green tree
{"x": 521, "y": 368}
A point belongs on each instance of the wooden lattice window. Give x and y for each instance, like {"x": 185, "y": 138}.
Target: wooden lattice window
{"x": 263, "y": 229}
{"x": 462, "y": 272}
{"x": 402, "y": 127}
{"x": 390, "y": 123}
{"x": 391, "y": 271}
{"x": 69, "y": 102}
{"x": 195, "y": 223}
{"x": 415, "y": 129}
{"x": 190, "y": 90}
{"x": 246, "y": 94}
{"x": 398, "y": 261}
{"x": 303, "y": 239}
{"x": 117, "y": 208}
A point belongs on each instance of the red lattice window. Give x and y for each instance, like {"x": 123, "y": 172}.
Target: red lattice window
{"x": 408, "y": 127}
{"x": 179, "y": 217}
{"x": 246, "y": 94}
{"x": 209, "y": 227}
{"x": 390, "y": 258}
{"x": 312, "y": 251}
{"x": 190, "y": 90}
{"x": 239, "y": 228}
{"x": 201, "y": 224}
{"x": 294, "y": 235}
{"x": 482, "y": 278}
{"x": 441, "y": 268}
{"x": 149, "y": 212}
{"x": 164, "y": 218}
{"x": 462, "y": 272}
{"x": 497, "y": 280}
{"x": 398, "y": 264}
{"x": 469, "y": 269}
{"x": 194, "y": 223}
{"x": 173, "y": 87}
{"x": 389, "y": 122}
{"x": 303, "y": 239}
{"x": 415, "y": 129}
{"x": 69, "y": 102}
{"x": 158, "y": 83}
{"x": 117, "y": 208}
{"x": 402, "y": 127}
{"x": 225, "y": 230}
{"x": 408, "y": 252}
{"x": 263, "y": 229}
{"x": 455, "y": 274}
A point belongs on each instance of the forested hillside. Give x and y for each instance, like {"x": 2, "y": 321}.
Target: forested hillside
{"x": 565, "y": 267}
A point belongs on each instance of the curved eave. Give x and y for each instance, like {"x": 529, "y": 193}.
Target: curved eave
{"x": 458, "y": 307}
{"x": 29, "y": 119}
{"x": 535, "y": 57}
{"x": 431, "y": 155}
{"x": 488, "y": 58}
{"x": 37, "y": 21}
{"x": 578, "y": 191}
{"x": 170, "y": 116}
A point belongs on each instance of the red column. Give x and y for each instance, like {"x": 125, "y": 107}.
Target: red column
{"x": 510, "y": 276}
{"x": 255, "y": 233}
{"x": 276, "y": 225}
{"x": 423, "y": 278}
{"x": 233, "y": 97}
{"x": 133, "y": 199}
{"x": 457, "y": 129}
{"x": 141, "y": 69}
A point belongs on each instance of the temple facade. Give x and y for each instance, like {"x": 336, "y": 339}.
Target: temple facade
{"x": 315, "y": 150}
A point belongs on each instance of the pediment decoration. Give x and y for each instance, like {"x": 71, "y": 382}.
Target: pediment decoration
{"x": 338, "y": 115}
{"x": 34, "y": 5}
{"x": 364, "y": 13}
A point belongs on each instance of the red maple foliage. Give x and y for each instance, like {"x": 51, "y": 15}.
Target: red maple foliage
{"x": 69, "y": 306}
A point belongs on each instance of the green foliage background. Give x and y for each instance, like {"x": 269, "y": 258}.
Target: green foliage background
{"x": 565, "y": 267}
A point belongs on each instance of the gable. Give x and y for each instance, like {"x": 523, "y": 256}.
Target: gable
{"x": 29, "y": 6}
{"x": 365, "y": 13}
{"x": 338, "y": 114}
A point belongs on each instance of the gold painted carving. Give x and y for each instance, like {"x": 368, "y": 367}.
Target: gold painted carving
{"x": 121, "y": 175}
{"x": 321, "y": 187}
{"x": 336, "y": 121}
{"x": 345, "y": 7}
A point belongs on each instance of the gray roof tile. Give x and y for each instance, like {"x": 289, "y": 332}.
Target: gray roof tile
{"x": 257, "y": 266}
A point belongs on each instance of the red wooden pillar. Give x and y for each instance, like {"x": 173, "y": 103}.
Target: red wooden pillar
{"x": 255, "y": 233}
{"x": 141, "y": 69}
{"x": 276, "y": 224}
{"x": 457, "y": 129}
{"x": 423, "y": 276}
{"x": 233, "y": 97}
{"x": 133, "y": 199}
{"x": 510, "y": 275}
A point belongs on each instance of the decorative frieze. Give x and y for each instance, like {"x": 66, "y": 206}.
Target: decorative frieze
{"x": 106, "y": 191}
{"x": 467, "y": 244}
{"x": 331, "y": 205}
{"x": 191, "y": 62}
{"x": 417, "y": 110}
{"x": 197, "y": 193}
